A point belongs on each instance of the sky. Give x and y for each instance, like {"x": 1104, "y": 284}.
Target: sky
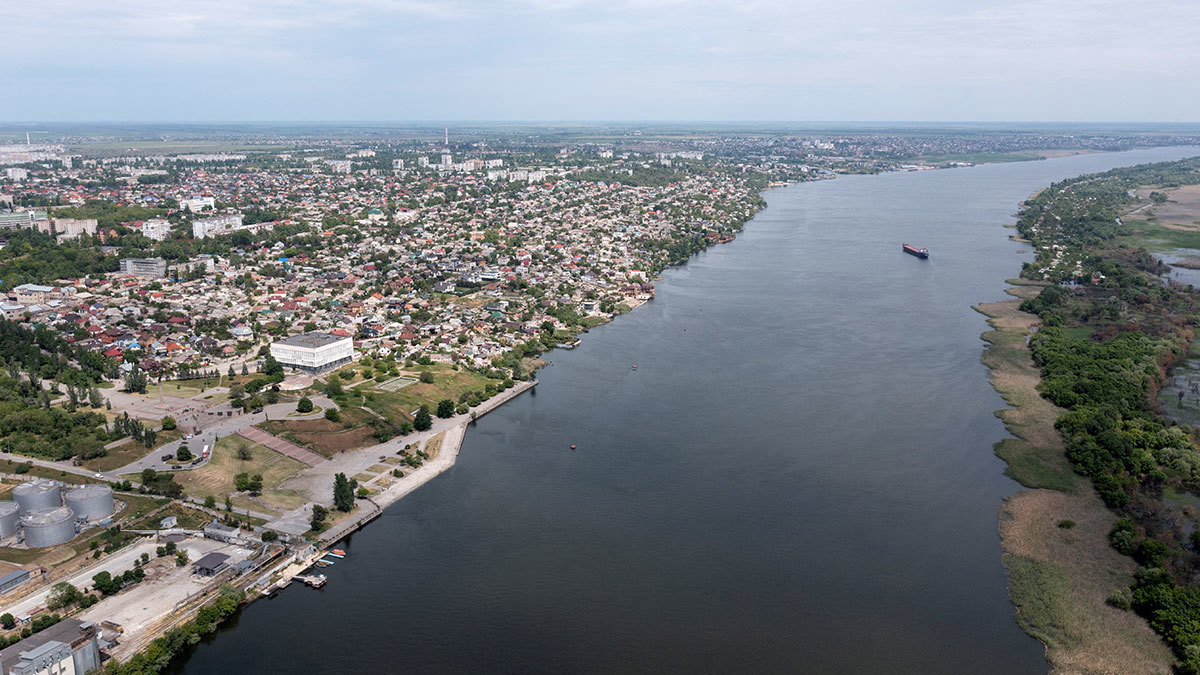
{"x": 453, "y": 60}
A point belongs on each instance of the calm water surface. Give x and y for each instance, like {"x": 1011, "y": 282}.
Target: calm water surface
{"x": 797, "y": 478}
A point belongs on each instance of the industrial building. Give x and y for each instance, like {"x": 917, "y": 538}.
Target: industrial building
{"x": 314, "y": 352}
{"x": 48, "y": 527}
{"x": 37, "y": 495}
{"x": 10, "y": 517}
{"x": 69, "y": 647}
{"x": 211, "y": 564}
{"x": 90, "y": 503}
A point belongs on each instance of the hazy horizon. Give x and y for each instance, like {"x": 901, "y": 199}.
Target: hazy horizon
{"x": 1090, "y": 61}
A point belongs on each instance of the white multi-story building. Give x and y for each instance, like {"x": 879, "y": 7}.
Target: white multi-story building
{"x": 397, "y": 164}
{"x": 207, "y": 227}
{"x": 339, "y": 166}
{"x": 313, "y": 352}
{"x": 195, "y": 204}
{"x": 69, "y": 228}
{"x": 156, "y": 229}
{"x": 16, "y": 173}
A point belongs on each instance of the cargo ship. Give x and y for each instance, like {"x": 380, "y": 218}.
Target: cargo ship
{"x": 919, "y": 252}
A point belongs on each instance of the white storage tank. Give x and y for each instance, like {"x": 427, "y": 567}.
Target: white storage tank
{"x": 91, "y": 502}
{"x": 48, "y": 527}
{"x": 37, "y": 495}
{"x": 10, "y": 518}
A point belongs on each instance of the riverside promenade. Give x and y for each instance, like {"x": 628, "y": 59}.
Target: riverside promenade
{"x": 318, "y": 480}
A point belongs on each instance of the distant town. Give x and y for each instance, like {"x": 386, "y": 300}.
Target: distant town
{"x": 217, "y": 362}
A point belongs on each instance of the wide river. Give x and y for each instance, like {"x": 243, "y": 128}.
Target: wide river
{"x": 798, "y": 477}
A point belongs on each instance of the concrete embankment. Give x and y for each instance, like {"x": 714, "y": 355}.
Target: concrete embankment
{"x": 369, "y": 509}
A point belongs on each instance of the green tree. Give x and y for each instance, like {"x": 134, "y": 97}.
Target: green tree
{"x": 304, "y": 405}
{"x": 343, "y": 493}
{"x": 422, "y": 422}
{"x": 104, "y": 583}
{"x": 445, "y": 408}
{"x": 136, "y": 381}
{"x": 7, "y": 620}
{"x": 62, "y": 595}
{"x": 271, "y": 367}
{"x": 210, "y": 502}
{"x": 319, "y": 513}
{"x": 183, "y": 454}
{"x": 333, "y": 415}
{"x": 426, "y": 376}
{"x": 168, "y": 423}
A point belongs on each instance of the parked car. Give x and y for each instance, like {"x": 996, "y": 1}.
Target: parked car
{"x": 167, "y": 457}
{"x": 257, "y": 410}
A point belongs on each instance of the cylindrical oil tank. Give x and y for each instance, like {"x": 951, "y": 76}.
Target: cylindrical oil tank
{"x": 91, "y": 502}
{"x": 48, "y": 527}
{"x": 9, "y": 519}
{"x": 37, "y": 495}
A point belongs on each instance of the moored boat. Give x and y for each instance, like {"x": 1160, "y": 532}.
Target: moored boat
{"x": 913, "y": 250}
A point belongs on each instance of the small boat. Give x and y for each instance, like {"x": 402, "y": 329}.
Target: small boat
{"x": 635, "y": 366}
{"x": 327, "y": 561}
{"x": 338, "y": 552}
{"x": 913, "y": 250}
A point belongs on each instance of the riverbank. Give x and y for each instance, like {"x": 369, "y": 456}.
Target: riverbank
{"x": 1054, "y": 536}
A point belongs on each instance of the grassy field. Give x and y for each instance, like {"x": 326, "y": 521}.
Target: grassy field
{"x": 1060, "y": 579}
{"x": 189, "y": 518}
{"x": 137, "y": 506}
{"x": 215, "y": 479}
{"x": 325, "y": 437}
{"x": 130, "y": 452}
{"x": 9, "y": 466}
{"x": 447, "y": 383}
{"x": 1158, "y": 238}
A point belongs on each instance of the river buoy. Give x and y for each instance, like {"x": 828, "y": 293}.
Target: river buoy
{"x": 572, "y": 447}
{"x": 635, "y": 366}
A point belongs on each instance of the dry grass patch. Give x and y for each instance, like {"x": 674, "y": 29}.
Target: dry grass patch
{"x": 378, "y": 468}
{"x": 130, "y": 452}
{"x": 216, "y": 478}
{"x": 434, "y": 445}
{"x": 1181, "y": 212}
{"x": 1036, "y": 457}
{"x": 284, "y": 500}
{"x": 1060, "y": 579}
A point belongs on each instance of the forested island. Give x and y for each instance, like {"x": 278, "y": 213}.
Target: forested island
{"x": 1108, "y": 330}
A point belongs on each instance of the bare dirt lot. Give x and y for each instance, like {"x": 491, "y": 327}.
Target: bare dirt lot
{"x": 1181, "y": 211}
